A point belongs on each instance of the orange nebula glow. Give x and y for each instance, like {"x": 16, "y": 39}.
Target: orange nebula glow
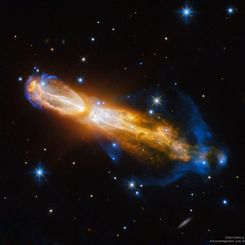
{"x": 145, "y": 137}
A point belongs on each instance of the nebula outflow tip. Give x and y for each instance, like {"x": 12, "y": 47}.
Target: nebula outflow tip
{"x": 50, "y": 93}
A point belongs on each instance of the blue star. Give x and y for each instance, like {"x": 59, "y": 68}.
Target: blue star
{"x": 156, "y": 100}
{"x": 151, "y": 111}
{"x": 225, "y": 202}
{"x": 186, "y": 12}
{"x": 230, "y": 10}
{"x": 131, "y": 185}
{"x": 222, "y": 159}
{"x": 80, "y": 79}
{"x": 20, "y": 79}
{"x": 137, "y": 193}
{"x": 39, "y": 172}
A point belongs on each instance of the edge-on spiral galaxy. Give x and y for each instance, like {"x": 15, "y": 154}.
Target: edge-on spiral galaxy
{"x": 152, "y": 140}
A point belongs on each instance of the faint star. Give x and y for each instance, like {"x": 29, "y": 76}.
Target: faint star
{"x": 83, "y": 59}
{"x": 80, "y": 79}
{"x": 131, "y": 185}
{"x": 151, "y": 111}
{"x": 20, "y": 79}
{"x": 230, "y": 10}
{"x": 225, "y": 202}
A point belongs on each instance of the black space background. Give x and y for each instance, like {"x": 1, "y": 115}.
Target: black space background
{"x": 196, "y": 60}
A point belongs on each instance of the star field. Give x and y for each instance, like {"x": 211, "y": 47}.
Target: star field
{"x": 61, "y": 186}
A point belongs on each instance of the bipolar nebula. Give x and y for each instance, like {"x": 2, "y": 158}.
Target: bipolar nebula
{"x": 178, "y": 139}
